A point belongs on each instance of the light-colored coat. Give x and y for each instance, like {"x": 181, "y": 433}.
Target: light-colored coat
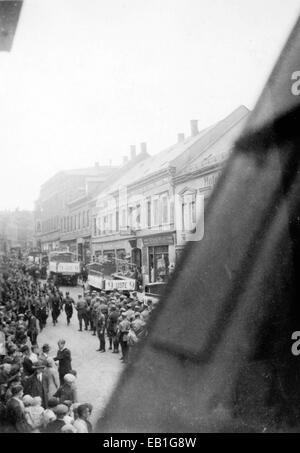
{"x": 52, "y": 377}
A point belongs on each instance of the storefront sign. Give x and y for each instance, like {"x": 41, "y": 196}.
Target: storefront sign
{"x": 96, "y": 281}
{"x": 208, "y": 181}
{"x": 128, "y": 285}
{"x": 158, "y": 240}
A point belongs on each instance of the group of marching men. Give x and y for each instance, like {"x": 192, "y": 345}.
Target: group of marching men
{"x": 118, "y": 320}
{"x": 38, "y": 392}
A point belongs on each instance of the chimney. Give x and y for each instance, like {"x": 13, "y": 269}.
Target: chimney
{"x": 143, "y": 148}
{"x": 194, "y": 128}
{"x": 180, "y": 138}
{"x": 132, "y": 152}
{"x": 125, "y": 160}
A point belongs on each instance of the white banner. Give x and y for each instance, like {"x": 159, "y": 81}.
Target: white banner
{"x": 96, "y": 281}
{"x": 128, "y": 285}
{"x": 52, "y": 266}
{"x": 71, "y": 268}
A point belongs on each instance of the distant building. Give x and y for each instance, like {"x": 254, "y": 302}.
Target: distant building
{"x": 16, "y": 230}
{"x": 52, "y": 219}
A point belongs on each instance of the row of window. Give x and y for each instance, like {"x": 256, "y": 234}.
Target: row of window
{"x": 48, "y": 225}
{"x": 154, "y": 212}
{"x": 75, "y": 222}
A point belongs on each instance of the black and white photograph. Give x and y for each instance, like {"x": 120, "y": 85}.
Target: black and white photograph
{"x": 149, "y": 219}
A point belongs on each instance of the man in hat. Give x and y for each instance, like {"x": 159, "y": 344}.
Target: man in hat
{"x": 95, "y": 304}
{"x": 56, "y": 425}
{"x": 130, "y": 313}
{"x": 81, "y": 308}
{"x": 139, "y": 326}
{"x": 55, "y": 307}
{"x": 67, "y": 391}
{"x": 32, "y": 330}
{"x": 36, "y": 385}
{"x": 124, "y": 328}
{"x": 64, "y": 358}
{"x": 101, "y": 321}
{"x": 21, "y": 322}
{"x": 112, "y": 328}
{"x": 145, "y": 314}
{"x": 28, "y": 369}
{"x": 68, "y": 303}
{"x": 49, "y": 414}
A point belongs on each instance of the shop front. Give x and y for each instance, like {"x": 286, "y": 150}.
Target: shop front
{"x": 157, "y": 256}
{"x": 115, "y": 256}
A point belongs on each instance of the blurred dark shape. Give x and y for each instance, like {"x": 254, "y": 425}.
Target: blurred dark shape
{"x": 218, "y": 356}
{"x": 9, "y": 17}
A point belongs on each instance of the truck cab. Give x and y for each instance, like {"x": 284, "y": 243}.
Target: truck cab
{"x": 152, "y": 291}
{"x": 63, "y": 267}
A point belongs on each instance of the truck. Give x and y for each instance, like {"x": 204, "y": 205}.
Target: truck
{"x": 63, "y": 268}
{"x": 152, "y": 292}
{"x": 102, "y": 275}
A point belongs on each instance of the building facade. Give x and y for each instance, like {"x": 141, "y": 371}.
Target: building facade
{"x": 146, "y": 216}
{"x": 16, "y": 230}
{"x": 196, "y": 180}
{"x": 52, "y": 217}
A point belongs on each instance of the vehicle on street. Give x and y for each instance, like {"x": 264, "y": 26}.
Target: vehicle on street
{"x": 63, "y": 268}
{"x": 152, "y": 291}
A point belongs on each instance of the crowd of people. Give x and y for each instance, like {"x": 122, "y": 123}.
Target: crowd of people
{"x": 38, "y": 390}
{"x": 118, "y": 320}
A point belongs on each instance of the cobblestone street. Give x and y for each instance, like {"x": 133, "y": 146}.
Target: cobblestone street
{"x": 97, "y": 373}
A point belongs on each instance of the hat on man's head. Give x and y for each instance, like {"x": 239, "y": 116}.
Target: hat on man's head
{"x": 27, "y": 400}
{"x": 61, "y": 409}
{"x": 69, "y": 378}
{"x": 53, "y": 402}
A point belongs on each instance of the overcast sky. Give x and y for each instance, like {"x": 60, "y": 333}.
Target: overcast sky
{"x": 86, "y": 79}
